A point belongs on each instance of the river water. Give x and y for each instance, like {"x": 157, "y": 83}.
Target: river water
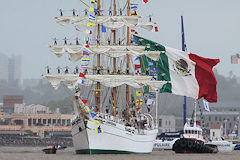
{"x": 35, "y": 153}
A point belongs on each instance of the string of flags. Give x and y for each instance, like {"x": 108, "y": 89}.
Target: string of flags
{"x": 138, "y": 93}
{"x": 94, "y": 1}
{"x": 139, "y": 102}
{"x": 145, "y": 1}
{"x": 89, "y": 108}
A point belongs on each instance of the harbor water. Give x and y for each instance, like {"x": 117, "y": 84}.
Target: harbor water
{"x": 35, "y": 153}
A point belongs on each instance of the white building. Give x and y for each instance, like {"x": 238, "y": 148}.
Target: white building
{"x": 166, "y": 123}
{"x": 216, "y": 132}
{"x": 31, "y": 109}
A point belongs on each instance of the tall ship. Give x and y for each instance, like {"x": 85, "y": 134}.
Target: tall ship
{"x": 118, "y": 76}
{"x": 107, "y": 66}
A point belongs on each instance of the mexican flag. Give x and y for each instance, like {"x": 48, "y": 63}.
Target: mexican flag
{"x": 188, "y": 74}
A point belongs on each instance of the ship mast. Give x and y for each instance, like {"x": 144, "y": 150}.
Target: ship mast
{"x": 127, "y": 87}
{"x": 114, "y": 62}
{"x": 98, "y": 94}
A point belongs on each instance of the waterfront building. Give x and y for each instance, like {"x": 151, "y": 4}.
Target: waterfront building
{"x": 9, "y": 101}
{"x": 43, "y": 125}
{"x": 31, "y": 109}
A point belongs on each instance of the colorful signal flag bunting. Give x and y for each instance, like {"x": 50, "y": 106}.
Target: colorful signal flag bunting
{"x": 88, "y": 31}
{"x": 85, "y": 53}
{"x": 137, "y": 66}
{"x": 78, "y": 90}
{"x": 84, "y": 101}
{"x": 138, "y": 109}
{"x": 84, "y": 66}
{"x": 91, "y": 17}
{"x": 93, "y": 115}
{"x": 93, "y": 9}
{"x": 98, "y": 130}
{"x": 139, "y": 102}
{"x": 138, "y": 93}
{"x": 86, "y": 38}
{"x": 81, "y": 75}
{"x": 104, "y": 29}
{"x": 89, "y": 108}
{"x": 94, "y": 1}
{"x": 96, "y": 123}
{"x": 87, "y": 46}
{"x": 89, "y": 24}
{"x": 145, "y": 1}
{"x": 85, "y": 60}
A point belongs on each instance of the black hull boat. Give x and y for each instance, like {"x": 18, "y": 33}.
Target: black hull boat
{"x": 50, "y": 150}
{"x": 184, "y": 145}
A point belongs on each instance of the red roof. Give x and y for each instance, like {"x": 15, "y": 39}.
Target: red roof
{"x": 215, "y": 126}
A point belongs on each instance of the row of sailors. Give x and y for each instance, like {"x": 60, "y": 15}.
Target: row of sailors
{"x": 97, "y": 70}
{"x": 86, "y": 41}
{"x": 110, "y": 12}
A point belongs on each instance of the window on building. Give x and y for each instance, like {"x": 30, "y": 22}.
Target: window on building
{"x": 234, "y": 118}
{"x": 63, "y": 122}
{"x": 34, "y": 121}
{"x": 209, "y": 118}
{"x": 169, "y": 123}
{"x": 29, "y": 121}
{"x": 68, "y": 122}
{"x": 213, "y": 134}
{"x": 160, "y": 123}
{"x": 166, "y": 123}
{"x": 216, "y": 118}
{"x": 59, "y": 121}
{"x": 220, "y": 118}
{"x": 230, "y": 125}
{"x": 44, "y": 121}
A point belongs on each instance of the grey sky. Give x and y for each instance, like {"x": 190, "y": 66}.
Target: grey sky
{"x": 212, "y": 29}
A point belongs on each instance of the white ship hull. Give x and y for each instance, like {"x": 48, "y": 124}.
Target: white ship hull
{"x": 164, "y": 145}
{"x": 223, "y": 146}
{"x": 113, "y": 139}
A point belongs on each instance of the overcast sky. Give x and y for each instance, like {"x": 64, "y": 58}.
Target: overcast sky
{"x": 212, "y": 29}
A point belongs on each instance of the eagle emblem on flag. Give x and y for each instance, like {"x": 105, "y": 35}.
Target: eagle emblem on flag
{"x": 181, "y": 67}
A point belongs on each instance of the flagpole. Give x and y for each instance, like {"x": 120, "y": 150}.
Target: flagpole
{"x": 185, "y": 98}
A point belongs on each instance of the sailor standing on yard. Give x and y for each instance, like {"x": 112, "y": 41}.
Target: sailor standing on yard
{"x": 65, "y": 41}
{"x": 55, "y": 41}
{"x": 48, "y": 69}
{"x": 66, "y": 70}
{"x": 59, "y": 69}
{"x": 76, "y": 69}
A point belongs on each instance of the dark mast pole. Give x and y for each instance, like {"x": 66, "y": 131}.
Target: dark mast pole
{"x": 128, "y": 62}
{"x": 98, "y": 95}
{"x": 185, "y": 98}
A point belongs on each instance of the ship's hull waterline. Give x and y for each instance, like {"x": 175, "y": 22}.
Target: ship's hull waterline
{"x": 113, "y": 139}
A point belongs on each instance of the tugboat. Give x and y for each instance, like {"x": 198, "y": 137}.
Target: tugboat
{"x": 192, "y": 140}
{"x": 166, "y": 140}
